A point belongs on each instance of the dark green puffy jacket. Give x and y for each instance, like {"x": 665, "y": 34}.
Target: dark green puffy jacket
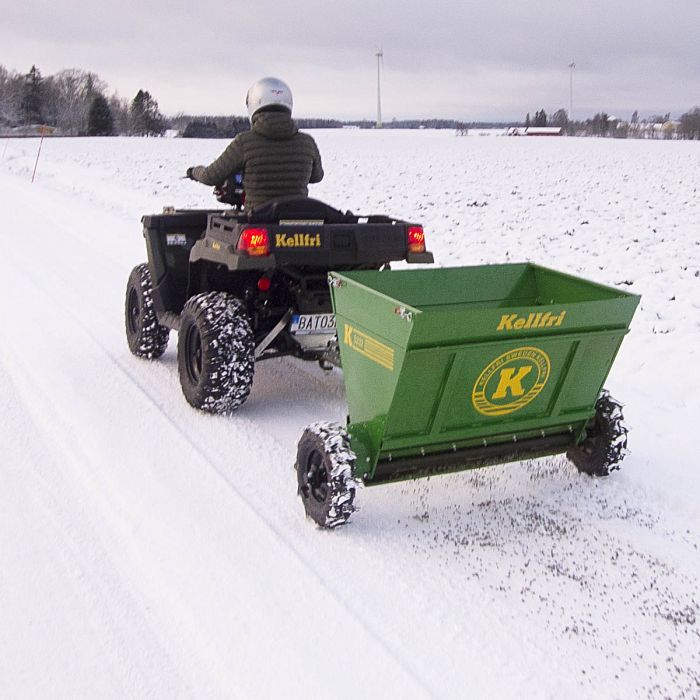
{"x": 277, "y": 160}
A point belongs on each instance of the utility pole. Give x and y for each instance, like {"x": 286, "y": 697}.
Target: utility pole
{"x": 572, "y": 65}
{"x": 380, "y": 61}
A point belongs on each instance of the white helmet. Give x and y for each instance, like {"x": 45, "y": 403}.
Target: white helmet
{"x": 268, "y": 92}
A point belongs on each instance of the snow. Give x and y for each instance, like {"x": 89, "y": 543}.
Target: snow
{"x": 149, "y": 550}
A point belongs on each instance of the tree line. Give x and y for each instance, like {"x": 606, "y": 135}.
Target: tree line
{"x": 189, "y": 126}
{"x": 604, "y": 125}
{"x": 74, "y": 102}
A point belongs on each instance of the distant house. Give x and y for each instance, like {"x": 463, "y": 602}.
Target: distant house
{"x": 535, "y": 131}
{"x": 544, "y": 131}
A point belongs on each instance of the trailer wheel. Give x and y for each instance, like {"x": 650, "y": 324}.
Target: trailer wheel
{"x": 605, "y": 444}
{"x": 324, "y": 469}
{"x": 215, "y": 352}
{"x": 145, "y": 336}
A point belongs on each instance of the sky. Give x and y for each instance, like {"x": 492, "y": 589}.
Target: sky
{"x": 491, "y": 60}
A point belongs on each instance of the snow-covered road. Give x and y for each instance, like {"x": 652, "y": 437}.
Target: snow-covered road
{"x": 148, "y": 550}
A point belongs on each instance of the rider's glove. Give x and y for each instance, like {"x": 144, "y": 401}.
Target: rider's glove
{"x": 189, "y": 173}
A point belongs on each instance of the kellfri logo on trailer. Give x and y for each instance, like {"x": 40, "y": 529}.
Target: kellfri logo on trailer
{"x": 513, "y": 322}
{"x": 511, "y": 381}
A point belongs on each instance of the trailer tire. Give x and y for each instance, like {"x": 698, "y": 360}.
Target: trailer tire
{"x": 325, "y": 478}
{"x": 145, "y": 336}
{"x": 215, "y": 352}
{"x": 605, "y": 444}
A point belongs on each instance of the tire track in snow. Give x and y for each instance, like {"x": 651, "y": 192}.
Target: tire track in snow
{"x": 119, "y": 624}
{"x": 212, "y": 463}
{"x": 69, "y": 302}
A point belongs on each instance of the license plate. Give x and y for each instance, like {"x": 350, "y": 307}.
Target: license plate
{"x": 312, "y": 323}
{"x": 176, "y": 239}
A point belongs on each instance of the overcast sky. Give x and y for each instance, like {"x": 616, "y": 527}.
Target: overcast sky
{"x": 465, "y": 60}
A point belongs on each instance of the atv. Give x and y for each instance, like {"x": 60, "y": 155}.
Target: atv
{"x": 242, "y": 287}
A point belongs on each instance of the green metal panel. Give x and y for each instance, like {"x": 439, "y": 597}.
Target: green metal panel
{"x": 437, "y": 359}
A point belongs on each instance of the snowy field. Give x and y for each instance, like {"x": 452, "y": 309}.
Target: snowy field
{"x": 148, "y": 550}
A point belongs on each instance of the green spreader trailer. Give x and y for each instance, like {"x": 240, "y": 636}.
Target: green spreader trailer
{"x": 457, "y": 368}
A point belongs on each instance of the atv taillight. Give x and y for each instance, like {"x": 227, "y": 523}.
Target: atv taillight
{"x": 254, "y": 241}
{"x": 416, "y": 239}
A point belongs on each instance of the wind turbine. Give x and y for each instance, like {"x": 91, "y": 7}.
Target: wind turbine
{"x": 380, "y": 64}
{"x": 572, "y": 65}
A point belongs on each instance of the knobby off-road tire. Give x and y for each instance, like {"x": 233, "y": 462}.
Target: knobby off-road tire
{"x": 215, "y": 352}
{"x": 145, "y": 336}
{"x": 325, "y": 478}
{"x": 605, "y": 444}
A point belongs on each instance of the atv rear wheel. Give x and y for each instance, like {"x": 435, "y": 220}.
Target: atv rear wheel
{"x": 324, "y": 469}
{"x": 605, "y": 444}
{"x": 215, "y": 352}
{"x": 145, "y": 336}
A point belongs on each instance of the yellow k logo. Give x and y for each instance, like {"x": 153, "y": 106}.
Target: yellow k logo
{"x": 509, "y": 380}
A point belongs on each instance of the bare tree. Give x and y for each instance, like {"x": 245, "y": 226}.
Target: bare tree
{"x": 559, "y": 118}
{"x": 120, "y": 112}
{"x": 73, "y": 92}
{"x": 689, "y": 127}
{"x": 10, "y": 97}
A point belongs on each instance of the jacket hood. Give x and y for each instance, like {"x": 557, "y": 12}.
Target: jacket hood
{"x": 274, "y": 125}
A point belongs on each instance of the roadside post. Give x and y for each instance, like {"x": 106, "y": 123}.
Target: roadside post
{"x": 41, "y": 143}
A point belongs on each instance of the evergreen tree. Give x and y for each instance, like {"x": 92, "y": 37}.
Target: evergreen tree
{"x": 144, "y": 116}
{"x": 100, "y": 120}
{"x": 540, "y": 118}
{"x": 527, "y": 119}
{"x": 32, "y": 106}
{"x": 201, "y": 129}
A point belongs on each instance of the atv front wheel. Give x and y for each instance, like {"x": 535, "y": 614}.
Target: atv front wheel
{"x": 605, "y": 444}
{"x": 215, "y": 352}
{"x": 324, "y": 474}
{"x": 145, "y": 336}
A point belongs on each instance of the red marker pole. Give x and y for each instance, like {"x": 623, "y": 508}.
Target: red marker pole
{"x": 41, "y": 143}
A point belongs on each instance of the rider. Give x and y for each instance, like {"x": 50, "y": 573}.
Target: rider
{"x": 276, "y": 159}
